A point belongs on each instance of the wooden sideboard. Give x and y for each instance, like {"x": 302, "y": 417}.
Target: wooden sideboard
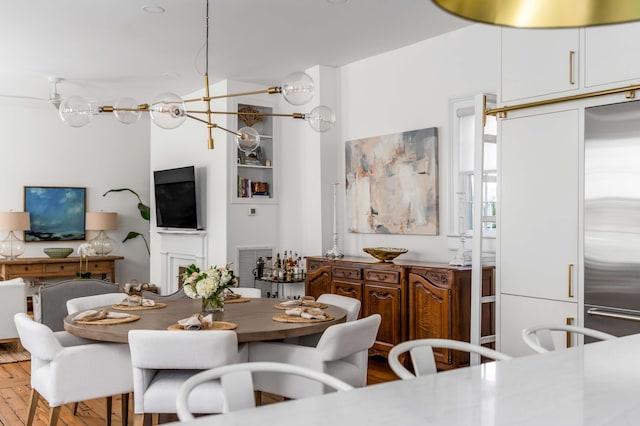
{"x": 416, "y": 300}
{"x": 47, "y": 267}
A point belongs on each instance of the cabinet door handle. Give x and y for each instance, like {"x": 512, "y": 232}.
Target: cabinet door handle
{"x": 569, "y": 321}
{"x": 570, "y": 280}
{"x": 572, "y": 55}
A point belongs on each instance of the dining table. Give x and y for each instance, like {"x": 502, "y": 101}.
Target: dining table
{"x": 588, "y": 385}
{"x": 253, "y": 318}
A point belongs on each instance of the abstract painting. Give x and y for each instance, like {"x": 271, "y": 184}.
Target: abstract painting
{"x": 57, "y": 213}
{"x": 392, "y": 183}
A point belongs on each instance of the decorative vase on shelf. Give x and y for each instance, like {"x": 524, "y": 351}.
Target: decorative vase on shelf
{"x": 214, "y": 303}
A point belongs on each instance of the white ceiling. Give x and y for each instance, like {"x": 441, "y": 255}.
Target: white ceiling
{"x": 110, "y": 49}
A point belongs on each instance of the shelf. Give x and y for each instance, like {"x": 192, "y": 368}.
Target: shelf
{"x": 252, "y": 166}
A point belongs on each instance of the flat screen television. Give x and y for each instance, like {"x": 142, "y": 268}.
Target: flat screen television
{"x": 177, "y": 202}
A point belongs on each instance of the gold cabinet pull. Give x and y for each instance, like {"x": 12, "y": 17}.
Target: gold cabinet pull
{"x": 571, "y": 280}
{"x": 572, "y": 55}
{"x": 570, "y": 321}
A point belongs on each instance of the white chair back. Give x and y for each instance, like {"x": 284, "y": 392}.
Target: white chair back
{"x": 349, "y": 304}
{"x": 341, "y": 340}
{"x": 421, "y": 352}
{"x": 37, "y": 338}
{"x": 13, "y": 300}
{"x": 253, "y": 293}
{"x": 80, "y": 304}
{"x": 540, "y": 339}
{"x": 237, "y": 383}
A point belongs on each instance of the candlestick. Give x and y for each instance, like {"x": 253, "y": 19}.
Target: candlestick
{"x": 335, "y": 251}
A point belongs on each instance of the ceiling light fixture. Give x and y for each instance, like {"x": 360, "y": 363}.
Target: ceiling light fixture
{"x": 544, "y": 13}
{"x": 169, "y": 110}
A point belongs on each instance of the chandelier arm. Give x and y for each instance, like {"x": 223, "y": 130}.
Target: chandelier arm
{"x": 258, "y": 114}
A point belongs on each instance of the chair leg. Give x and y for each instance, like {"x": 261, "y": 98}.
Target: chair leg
{"x": 155, "y": 418}
{"x": 109, "y": 407}
{"x": 75, "y": 408}
{"x": 33, "y": 403}
{"x": 138, "y": 419}
{"x": 258, "y": 397}
{"x": 124, "y": 403}
{"x": 54, "y": 415}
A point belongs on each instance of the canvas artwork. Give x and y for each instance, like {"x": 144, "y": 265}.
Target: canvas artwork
{"x": 392, "y": 183}
{"x": 56, "y": 213}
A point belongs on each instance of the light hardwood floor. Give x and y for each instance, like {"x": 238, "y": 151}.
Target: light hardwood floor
{"x": 15, "y": 391}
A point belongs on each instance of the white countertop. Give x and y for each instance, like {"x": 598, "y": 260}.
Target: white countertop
{"x": 596, "y": 384}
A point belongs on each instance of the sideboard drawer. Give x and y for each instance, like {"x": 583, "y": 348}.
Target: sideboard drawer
{"x": 314, "y": 265}
{"x": 389, "y": 277}
{"x": 98, "y": 266}
{"x": 347, "y": 272}
{"x": 24, "y": 270}
{"x": 70, "y": 268}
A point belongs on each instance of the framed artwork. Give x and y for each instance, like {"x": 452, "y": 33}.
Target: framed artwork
{"x": 392, "y": 183}
{"x": 56, "y": 213}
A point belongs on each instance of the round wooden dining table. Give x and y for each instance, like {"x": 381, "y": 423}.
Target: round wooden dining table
{"x": 253, "y": 318}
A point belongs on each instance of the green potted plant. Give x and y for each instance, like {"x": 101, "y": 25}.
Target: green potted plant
{"x": 145, "y": 213}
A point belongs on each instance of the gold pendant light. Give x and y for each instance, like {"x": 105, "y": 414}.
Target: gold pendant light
{"x": 544, "y": 13}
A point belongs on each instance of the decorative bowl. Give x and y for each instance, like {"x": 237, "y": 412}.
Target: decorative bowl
{"x": 385, "y": 254}
{"x": 58, "y": 252}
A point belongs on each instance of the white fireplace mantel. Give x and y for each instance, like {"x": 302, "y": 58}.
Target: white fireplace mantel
{"x": 178, "y": 249}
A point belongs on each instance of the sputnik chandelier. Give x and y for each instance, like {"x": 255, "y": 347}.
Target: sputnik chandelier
{"x": 169, "y": 110}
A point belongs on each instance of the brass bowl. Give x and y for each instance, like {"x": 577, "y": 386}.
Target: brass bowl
{"x": 385, "y": 254}
{"x": 58, "y": 252}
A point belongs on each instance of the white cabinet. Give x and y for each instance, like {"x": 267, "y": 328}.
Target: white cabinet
{"x": 539, "y": 62}
{"x": 255, "y": 177}
{"x": 539, "y": 205}
{"x": 523, "y": 312}
{"x": 612, "y": 54}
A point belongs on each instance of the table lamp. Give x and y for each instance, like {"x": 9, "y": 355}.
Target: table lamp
{"x": 12, "y": 246}
{"x": 101, "y": 221}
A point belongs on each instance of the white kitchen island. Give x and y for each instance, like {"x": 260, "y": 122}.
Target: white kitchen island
{"x": 596, "y": 384}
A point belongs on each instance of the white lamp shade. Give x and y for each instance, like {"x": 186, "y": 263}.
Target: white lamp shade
{"x": 101, "y": 221}
{"x": 14, "y": 221}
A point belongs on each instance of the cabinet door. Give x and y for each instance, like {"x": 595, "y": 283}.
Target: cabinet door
{"x": 384, "y": 300}
{"x": 538, "y": 63}
{"x": 538, "y": 246}
{"x": 518, "y": 313}
{"x": 318, "y": 278}
{"x": 612, "y": 54}
{"x": 429, "y": 313}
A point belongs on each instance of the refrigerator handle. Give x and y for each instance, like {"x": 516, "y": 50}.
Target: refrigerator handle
{"x": 597, "y": 312}
{"x": 570, "y": 292}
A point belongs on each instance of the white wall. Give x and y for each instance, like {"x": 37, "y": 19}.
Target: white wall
{"x": 409, "y": 89}
{"x": 38, "y": 149}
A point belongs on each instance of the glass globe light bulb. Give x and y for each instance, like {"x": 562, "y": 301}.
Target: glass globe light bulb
{"x": 249, "y": 139}
{"x": 127, "y": 117}
{"x": 75, "y": 111}
{"x": 297, "y": 88}
{"x": 168, "y": 111}
{"x": 321, "y": 118}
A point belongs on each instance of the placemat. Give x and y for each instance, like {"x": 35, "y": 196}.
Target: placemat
{"x": 237, "y": 300}
{"x": 315, "y": 305}
{"x": 158, "y": 305}
{"x": 216, "y": 325}
{"x": 110, "y": 321}
{"x": 292, "y": 318}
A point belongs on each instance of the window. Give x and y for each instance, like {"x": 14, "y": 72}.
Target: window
{"x": 464, "y": 118}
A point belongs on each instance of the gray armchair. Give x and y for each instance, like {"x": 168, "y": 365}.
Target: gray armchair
{"x": 50, "y": 304}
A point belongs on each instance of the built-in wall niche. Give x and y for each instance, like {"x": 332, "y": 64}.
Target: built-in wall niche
{"x": 254, "y": 171}
{"x": 179, "y": 249}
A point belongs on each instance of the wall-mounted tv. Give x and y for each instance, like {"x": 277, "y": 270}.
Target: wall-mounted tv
{"x": 177, "y": 198}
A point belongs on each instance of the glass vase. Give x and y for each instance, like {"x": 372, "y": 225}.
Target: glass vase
{"x": 214, "y": 303}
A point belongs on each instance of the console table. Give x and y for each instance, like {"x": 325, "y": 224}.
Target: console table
{"x": 47, "y": 267}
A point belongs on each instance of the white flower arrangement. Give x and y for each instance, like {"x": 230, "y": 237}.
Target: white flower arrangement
{"x": 208, "y": 283}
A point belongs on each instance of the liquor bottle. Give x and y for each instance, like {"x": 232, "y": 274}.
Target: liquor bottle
{"x": 277, "y": 261}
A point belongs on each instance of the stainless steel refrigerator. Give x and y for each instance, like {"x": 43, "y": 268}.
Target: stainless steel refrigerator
{"x": 612, "y": 218}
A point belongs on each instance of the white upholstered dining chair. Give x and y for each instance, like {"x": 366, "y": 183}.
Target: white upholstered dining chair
{"x": 540, "y": 338}
{"x": 80, "y": 304}
{"x": 349, "y": 304}
{"x": 250, "y": 292}
{"x": 421, "y": 353}
{"x": 65, "y": 374}
{"x": 237, "y": 383}
{"x": 163, "y": 360}
{"x": 342, "y": 352}
{"x": 13, "y": 300}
